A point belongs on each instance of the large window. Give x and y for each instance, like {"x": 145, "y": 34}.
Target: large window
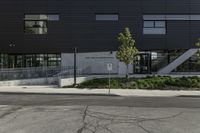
{"x": 107, "y": 17}
{"x": 29, "y": 60}
{"x": 174, "y": 17}
{"x": 154, "y": 27}
{"x": 37, "y": 23}
{"x": 156, "y": 24}
{"x": 36, "y": 27}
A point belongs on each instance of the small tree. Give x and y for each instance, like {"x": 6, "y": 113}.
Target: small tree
{"x": 127, "y": 51}
{"x": 198, "y": 52}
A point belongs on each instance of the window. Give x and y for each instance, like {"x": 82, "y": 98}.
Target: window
{"x": 174, "y": 17}
{"x": 159, "y": 24}
{"x": 154, "y": 27}
{"x": 50, "y": 17}
{"x": 29, "y": 60}
{"x": 53, "y": 17}
{"x": 37, "y": 23}
{"x": 35, "y": 27}
{"x": 107, "y": 17}
{"x": 154, "y": 17}
{"x": 148, "y": 24}
{"x": 35, "y": 17}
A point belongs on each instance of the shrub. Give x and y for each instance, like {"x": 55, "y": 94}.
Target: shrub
{"x": 150, "y": 82}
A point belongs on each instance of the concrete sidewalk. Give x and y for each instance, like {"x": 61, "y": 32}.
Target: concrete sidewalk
{"x": 119, "y": 92}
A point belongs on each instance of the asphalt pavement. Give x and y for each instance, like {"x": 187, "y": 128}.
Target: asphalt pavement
{"x": 33, "y": 113}
{"x": 99, "y": 100}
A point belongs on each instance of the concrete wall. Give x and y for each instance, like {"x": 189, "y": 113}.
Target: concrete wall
{"x": 70, "y": 81}
{"x": 39, "y": 81}
{"x": 95, "y": 62}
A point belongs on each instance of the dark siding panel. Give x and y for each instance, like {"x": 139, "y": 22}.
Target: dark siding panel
{"x": 153, "y": 42}
{"x": 195, "y": 32}
{"x": 132, "y": 18}
{"x": 77, "y": 26}
{"x": 35, "y": 6}
{"x": 195, "y": 6}
{"x": 177, "y": 6}
{"x": 153, "y": 6}
{"x": 178, "y": 34}
{"x": 11, "y": 24}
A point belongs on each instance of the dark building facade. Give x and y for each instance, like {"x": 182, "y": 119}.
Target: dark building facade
{"x": 37, "y": 32}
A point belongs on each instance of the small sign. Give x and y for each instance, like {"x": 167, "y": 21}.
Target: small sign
{"x": 109, "y": 67}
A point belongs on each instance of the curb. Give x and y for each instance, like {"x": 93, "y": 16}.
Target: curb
{"x": 47, "y": 93}
{"x": 32, "y": 90}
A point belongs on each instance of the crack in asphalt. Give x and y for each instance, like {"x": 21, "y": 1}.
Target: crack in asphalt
{"x": 95, "y": 121}
{"x": 127, "y": 118}
{"x": 143, "y": 128}
{"x": 89, "y": 126}
{"x": 102, "y": 121}
{"x": 83, "y": 119}
{"x": 10, "y": 111}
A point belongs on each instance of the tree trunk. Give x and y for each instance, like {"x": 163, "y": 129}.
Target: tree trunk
{"x": 127, "y": 71}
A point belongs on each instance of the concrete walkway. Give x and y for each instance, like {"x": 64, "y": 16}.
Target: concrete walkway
{"x": 119, "y": 92}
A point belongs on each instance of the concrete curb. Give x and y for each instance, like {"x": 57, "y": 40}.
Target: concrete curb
{"x": 75, "y": 94}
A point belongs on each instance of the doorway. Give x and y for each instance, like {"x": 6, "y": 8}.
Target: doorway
{"x": 11, "y": 61}
{"x": 142, "y": 64}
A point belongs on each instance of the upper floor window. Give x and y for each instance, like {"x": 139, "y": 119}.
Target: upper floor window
{"x": 154, "y": 27}
{"x": 36, "y": 27}
{"x": 37, "y": 23}
{"x": 107, "y": 17}
{"x": 53, "y": 17}
{"x": 49, "y": 17}
{"x": 173, "y": 17}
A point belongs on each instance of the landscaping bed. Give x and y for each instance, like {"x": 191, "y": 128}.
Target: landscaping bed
{"x": 153, "y": 82}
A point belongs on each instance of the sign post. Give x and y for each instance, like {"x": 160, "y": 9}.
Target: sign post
{"x": 75, "y": 67}
{"x": 109, "y": 68}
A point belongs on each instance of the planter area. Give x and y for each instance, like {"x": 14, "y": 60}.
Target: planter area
{"x": 151, "y": 83}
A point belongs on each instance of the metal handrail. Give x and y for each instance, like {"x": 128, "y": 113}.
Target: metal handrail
{"x": 34, "y": 72}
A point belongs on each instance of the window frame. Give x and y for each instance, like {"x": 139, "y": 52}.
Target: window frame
{"x": 155, "y": 27}
{"x": 47, "y": 20}
{"x": 35, "y": 27}
{"x": 107, "y": 14}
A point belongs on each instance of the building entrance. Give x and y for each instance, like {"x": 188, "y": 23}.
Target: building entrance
{"x": 142, "y": 64}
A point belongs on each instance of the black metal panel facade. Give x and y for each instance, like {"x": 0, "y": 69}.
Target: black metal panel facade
{"x": 77, "y": 26}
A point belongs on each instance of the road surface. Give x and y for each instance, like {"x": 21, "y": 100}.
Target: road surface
{"x": 26, "y": 113}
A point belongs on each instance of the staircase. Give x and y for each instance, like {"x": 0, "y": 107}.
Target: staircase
{"x": 177, "y": 62}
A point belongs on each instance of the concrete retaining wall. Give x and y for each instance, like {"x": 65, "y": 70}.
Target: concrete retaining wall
{"x": 39, "y": 81}
{"x": 70, "y": 81}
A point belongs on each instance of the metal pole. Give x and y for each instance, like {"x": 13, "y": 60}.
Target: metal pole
{"x": 109, "y": 83}
{"x": 75, "y": 67}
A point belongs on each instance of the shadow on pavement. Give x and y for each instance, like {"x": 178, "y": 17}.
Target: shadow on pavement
{"x": 189, "y": 96}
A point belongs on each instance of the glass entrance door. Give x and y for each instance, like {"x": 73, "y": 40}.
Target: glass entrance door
{"x": 142, "y": 64}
